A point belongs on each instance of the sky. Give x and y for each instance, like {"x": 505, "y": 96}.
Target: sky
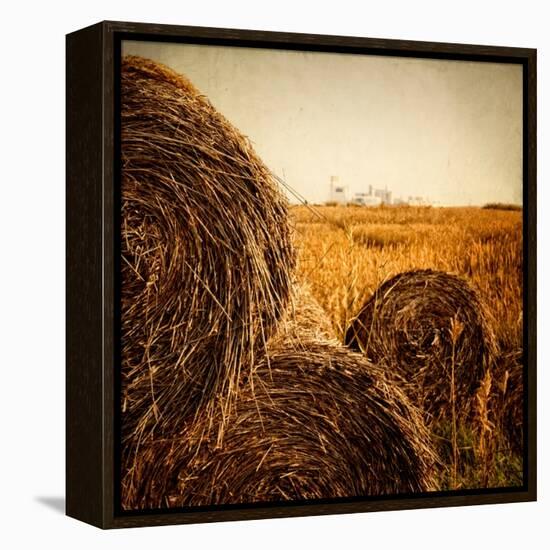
{"x": 448, "y": 131}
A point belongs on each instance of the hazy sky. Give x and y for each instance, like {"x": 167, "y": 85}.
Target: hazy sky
{"x": 450, "y": 131}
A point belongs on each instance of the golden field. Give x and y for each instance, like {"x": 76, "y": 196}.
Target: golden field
{"x": 346, "y": 252}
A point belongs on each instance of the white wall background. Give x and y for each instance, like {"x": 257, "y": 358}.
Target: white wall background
{"x": 32, "y": 273}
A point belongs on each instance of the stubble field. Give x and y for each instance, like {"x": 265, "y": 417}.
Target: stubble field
{"x": 346, "y": 252}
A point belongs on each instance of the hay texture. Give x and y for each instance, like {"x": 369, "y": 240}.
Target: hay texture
{"x": 434, "y": 330}
{"x": 206, "y": 254}
{"x": 320, "y": 422}
{"x": 304, "y": 320}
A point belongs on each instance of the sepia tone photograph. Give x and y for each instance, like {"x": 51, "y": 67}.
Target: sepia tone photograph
{"x": 321, "y": 276}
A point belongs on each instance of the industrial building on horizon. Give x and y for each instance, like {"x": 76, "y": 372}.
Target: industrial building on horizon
{"x": 339, "y": 194}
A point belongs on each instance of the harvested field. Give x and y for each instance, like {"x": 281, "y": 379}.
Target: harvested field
{"x": 347, "y": 253}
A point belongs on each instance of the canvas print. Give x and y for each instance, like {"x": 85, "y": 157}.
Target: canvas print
{"x": 321, "y": 276}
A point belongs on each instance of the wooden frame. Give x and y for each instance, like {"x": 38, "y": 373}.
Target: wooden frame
{"x": 92, "y": 164}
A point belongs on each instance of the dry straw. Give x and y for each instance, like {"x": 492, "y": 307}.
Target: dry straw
{"x": 433, "y": 328}
{"x": 318, "y": 422}
{"x": 304, "y": 319}
{"x": 206, "y": 253}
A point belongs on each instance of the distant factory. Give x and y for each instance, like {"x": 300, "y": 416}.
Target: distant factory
{"x": 339, "y": 194}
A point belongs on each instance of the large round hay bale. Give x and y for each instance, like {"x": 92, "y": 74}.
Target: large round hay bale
{"x": 319, "y": 422}
{"x": 433, "y": 328}
{"x": 206, "y": 252}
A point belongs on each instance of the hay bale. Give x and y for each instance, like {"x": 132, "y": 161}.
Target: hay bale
{"x": 320, "y": 422}
{"x": 427, "y": 324}
{"x": 304, "y": 320}
{"x": 206, "y": 252}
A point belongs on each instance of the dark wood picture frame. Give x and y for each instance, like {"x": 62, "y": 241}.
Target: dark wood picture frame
{"x": 93, "y": 57}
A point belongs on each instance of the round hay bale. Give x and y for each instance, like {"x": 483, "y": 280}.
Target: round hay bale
{"x": 320, "y": 422}
{"x": 304, "y": 320}
{"x": 428, "y": 325}
{"x": 206, "y": 252}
